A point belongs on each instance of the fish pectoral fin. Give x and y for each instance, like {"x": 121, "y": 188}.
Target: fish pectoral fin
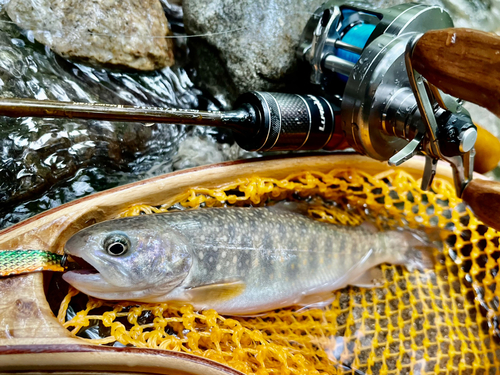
{"x": 221, "y": 291}
{"x": 372, "y": 278}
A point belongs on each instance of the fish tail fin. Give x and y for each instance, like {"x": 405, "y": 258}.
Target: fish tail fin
{"x": 421, "y": 251}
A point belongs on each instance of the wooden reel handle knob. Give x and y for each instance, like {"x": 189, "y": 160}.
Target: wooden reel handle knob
{"x": 464, "y": 63}
{"x": 483, "y": 197}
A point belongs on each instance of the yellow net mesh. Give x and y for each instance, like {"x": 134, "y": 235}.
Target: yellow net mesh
{"x": 441, "y": 321}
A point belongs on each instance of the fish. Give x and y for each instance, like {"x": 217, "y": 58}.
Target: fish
{"x": 236, "y": 260}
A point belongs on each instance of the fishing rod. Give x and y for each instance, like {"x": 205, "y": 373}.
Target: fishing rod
{"x": 262, "y": 121}
{"x": 389, "y": 82}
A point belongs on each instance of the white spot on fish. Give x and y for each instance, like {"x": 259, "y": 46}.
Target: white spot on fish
{"x": 235, "y": 259}
{"x": 201, "y": 255}
{"x": 224, "y": 253}
{"x": 218, "y": 268}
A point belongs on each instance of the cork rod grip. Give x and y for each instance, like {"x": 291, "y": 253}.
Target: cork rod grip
{"x": 464, "y": 63}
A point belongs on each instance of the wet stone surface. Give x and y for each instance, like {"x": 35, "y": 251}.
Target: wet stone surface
{"x": 112, "y": 33}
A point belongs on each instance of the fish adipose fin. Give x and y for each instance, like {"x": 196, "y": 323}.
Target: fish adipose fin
{"x": 290, "y": 207}
{"x": 372, "y": 278}
{"x": 217, "y": 292}
{"x": 369, "y": 226}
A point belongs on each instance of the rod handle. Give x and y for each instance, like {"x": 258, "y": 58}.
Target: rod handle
{"x": 483, "y": 197}
{"x": 464, "y": 63}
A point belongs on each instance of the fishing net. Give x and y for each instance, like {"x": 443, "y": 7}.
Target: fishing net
{"x": 441, "y": 321}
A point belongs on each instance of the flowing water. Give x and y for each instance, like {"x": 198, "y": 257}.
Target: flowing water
{"x": 47, "y": 162}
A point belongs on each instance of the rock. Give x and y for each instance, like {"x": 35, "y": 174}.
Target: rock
{"x": 253, "y": 46}
{"x": 172, "y": 8}
{"x": 111, "y": 33}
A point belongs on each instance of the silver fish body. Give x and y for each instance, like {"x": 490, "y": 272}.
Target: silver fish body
{"x": 234, "y": 260}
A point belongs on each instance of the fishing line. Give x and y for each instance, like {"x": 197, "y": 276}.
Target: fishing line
{"x": 71, "y": 31}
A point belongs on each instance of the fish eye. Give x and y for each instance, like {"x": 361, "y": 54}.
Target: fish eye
{"x": 116, "y": 244}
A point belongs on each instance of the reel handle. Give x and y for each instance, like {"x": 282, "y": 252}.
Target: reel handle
{"x": 483, "y": 197}
{"x": 463, "y": 63}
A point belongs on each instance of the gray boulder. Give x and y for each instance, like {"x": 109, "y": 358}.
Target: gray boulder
{"x": 111, "y": 33}
{"x": 252, "y": 46}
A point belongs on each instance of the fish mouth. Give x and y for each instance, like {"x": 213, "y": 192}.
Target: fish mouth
{"x": 85, "y": 271}
{"x": 87, "y": 279}
{"x": 78, "y": 265}
{"x": 84, "y": 277}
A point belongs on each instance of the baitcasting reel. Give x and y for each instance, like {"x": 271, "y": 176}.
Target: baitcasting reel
{"x": 362, "y": 58}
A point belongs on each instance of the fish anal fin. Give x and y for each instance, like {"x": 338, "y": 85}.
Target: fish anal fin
{"x": 372, "y": 278}
{"x": 317, "y": 300}
{"x": 435, "y": 234}
{"x": 217, "y": 292}
{"x": 420, "y": 251}
{"x": 420, "y": 258}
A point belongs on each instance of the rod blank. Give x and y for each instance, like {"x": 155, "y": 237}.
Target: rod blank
{"x": 236, "y": 120}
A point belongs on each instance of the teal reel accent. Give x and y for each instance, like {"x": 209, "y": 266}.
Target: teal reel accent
{"x": 356, "y": 36}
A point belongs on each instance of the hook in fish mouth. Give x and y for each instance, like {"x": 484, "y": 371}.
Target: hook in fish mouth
{"x": 64, "y": 261}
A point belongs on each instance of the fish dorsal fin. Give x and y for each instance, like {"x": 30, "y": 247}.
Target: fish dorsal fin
{"x": 216, "y": 292}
